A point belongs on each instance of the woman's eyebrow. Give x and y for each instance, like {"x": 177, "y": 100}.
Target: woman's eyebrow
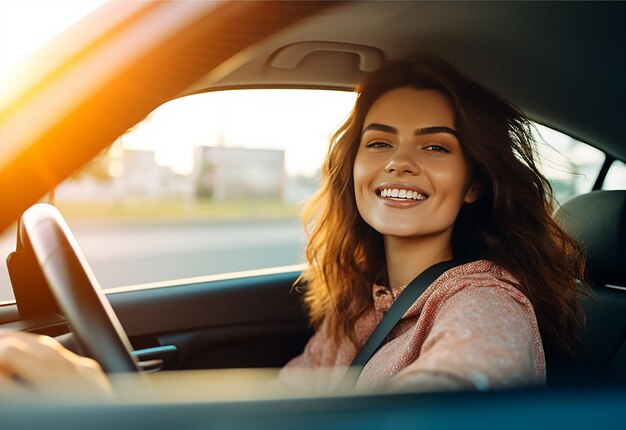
{"x": 419, "y": 132}
{"x": 380, "y": 127}
{"x": 434, "y": 130}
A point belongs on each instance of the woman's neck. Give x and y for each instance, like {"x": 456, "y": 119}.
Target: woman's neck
{"x": 408, "y": 257}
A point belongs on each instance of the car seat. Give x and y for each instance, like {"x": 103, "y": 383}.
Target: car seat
{"x": 597, "y": 220}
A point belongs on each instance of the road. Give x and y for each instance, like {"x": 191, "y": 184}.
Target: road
{"x": 134, "y": 253}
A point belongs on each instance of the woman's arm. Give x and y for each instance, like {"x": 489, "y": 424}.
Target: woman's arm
{"x": 482, "y": 338}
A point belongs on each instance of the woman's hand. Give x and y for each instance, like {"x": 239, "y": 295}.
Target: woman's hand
{"x": 39, "y": 364}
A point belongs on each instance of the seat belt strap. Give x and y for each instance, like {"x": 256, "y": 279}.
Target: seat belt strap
{"x": 391, "y": 318}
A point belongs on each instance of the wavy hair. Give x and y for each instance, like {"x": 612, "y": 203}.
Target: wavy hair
{"x": 510, "y": 224}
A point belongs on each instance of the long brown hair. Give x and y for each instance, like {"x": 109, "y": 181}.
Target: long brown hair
{"x": 510, "y": 224}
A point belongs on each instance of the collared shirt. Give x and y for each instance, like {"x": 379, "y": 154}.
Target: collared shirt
{"x": 471, "y": 328}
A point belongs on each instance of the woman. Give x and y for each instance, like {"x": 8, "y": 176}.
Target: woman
{"x": 428, "y": 167}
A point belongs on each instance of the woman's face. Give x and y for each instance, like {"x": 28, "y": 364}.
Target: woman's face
{"x": 410, "y": 174}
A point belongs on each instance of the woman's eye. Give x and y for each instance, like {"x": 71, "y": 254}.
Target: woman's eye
{"x": 377, "y": 144}
{"x": 436, "y": 148}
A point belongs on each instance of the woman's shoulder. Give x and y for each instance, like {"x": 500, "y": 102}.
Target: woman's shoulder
{"x": 479, "y": 272}
{"x": 474, "y": 278}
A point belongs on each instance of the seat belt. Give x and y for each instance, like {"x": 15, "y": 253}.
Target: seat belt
{"x": 391, "y": 318}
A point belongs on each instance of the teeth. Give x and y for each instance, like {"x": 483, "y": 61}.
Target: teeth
{"x": 402, "y": 194}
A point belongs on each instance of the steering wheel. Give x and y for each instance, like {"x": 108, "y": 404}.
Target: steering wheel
{"x": 73, "y": 285}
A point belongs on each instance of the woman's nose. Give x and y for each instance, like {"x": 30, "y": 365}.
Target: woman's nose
{"x": 403, "y": 163}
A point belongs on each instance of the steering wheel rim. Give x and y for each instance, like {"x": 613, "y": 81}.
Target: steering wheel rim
{"x": 75, "y": 288}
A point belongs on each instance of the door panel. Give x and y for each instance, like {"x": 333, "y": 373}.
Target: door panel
{"x": 250, "y": 321}
{"x": 254, "y": 321}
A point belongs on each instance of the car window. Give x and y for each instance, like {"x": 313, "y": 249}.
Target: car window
{"x": 615, "y": 177}
{"x": 206, "y": 184}
{"x": 571, "y": 166}
{"x": 213, "y": 183}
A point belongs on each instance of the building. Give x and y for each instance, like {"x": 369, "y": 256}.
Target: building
{"x": 223, "y": 173}
{"x": 129, "y": 174}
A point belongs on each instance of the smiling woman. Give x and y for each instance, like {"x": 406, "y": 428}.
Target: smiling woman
{"x": 465, "y": 158}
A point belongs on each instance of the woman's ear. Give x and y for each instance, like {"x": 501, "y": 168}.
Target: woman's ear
{"x": 473, "y": 192}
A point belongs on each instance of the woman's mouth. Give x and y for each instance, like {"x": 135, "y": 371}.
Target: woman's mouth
{"x": 402, "y": 194}
{"x": 399, "y": 193}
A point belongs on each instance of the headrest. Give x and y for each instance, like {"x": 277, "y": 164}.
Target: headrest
{"x": 597, "y": 220}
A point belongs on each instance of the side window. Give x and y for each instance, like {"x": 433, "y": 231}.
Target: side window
{"x": 616, "y": 177}
{"x": 206, "y": 184}
{"x": 571, "y": 166}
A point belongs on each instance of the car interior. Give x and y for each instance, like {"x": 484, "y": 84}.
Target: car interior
{"x": 559, "y": 62}
{"x": 601, "y": 352}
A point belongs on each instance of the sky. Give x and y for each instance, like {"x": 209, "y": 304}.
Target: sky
{"x": 300, "y": 122}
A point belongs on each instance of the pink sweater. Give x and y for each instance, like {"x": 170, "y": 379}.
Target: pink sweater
{"x": 470, "y": 329}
